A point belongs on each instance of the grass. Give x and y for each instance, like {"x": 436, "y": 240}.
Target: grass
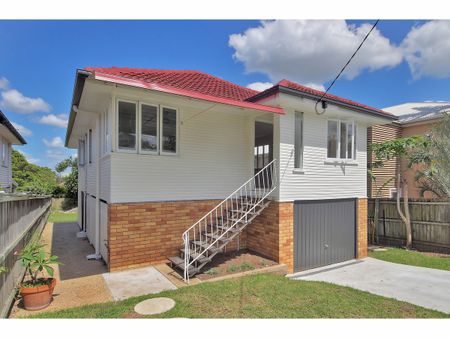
{"x": 260, "y": 296}
{"x": 415, "y": 258}
{"x": 56, "y": 217}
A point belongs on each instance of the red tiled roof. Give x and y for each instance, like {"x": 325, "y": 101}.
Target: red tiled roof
{"x": 308, "y": 90}
{"x": 182, "y": 79}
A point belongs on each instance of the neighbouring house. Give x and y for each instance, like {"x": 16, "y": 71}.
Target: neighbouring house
{"x": 414, "y": 118}
{"x": 177, "y": 166}
{"x": 8, "y": 136}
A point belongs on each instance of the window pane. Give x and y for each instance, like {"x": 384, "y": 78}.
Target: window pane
{"x": 148, "y": 129}
{"x": 260, "y": 156}
{"x": 343, "y": 149}
{"x": 256, "y": 157}
{"x": 90, "y": 145}
{"x": 298, "y": 146}
{"x": 169, "y": 130}
{"x": 127, "y": 125}
{"x": 350, "y": 140}
{"x": 332, "y": 139}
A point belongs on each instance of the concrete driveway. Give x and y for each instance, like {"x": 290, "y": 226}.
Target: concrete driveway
{"x": 425, "y": 287}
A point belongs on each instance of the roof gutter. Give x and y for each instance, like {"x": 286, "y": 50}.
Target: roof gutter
{"x": 4, "y": 120}
{"x": 290, "y": 91}
{"x": 80, "y": 78}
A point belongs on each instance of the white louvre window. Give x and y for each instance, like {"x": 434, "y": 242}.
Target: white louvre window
{"x": 90, "y": 146}
{"x": 81, "y": 153}
{"x": 169, "y": 130}
{"x": 149, "y": 128}
{"x": 298, "y": 146}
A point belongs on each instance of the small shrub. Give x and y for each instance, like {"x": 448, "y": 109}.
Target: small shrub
{"x": 233, "y": 268}
{"x": 212, "y": 272}
{"x": 247, "y": 266}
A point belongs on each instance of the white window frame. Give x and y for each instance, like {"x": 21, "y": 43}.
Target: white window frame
{"x": 90, "y": 147}
{"x": 5, "y": 152}
{"x": 299, "y": 140}
{"x": 82, "y": 153}
{"x": 177, "y": 132}
{"x": 121, "y": 150}
{"x": 158, "y": 131}
{"x": 338, "y": 153}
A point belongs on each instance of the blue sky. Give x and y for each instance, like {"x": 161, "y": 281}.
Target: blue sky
{"x": 38, "y": 60}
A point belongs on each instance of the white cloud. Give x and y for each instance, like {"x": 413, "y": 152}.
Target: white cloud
{"x": 315, "y": 86}
{"x": 24, "y": 131}
{"x": 60, "y": 120}
{"x": 56, "y": 154}
{"x": 55, "y": 142}
{"x": 4, "y": 83}
{"x": 29, "y": 157}
{"x": 427, "y": 49}
{"x": 312, "y": 51}
{"x": 15, "y": 101}
{"x": 259, "y": 86}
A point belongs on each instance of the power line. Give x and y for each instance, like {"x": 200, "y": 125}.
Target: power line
{"x": 345, "y": 66}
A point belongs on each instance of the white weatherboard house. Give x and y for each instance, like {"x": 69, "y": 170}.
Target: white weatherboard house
{"x": 8, "y": 136}
{"x": 178, "y": 166}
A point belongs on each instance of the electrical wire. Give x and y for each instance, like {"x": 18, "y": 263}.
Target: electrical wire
{"x": 345, "y": 66}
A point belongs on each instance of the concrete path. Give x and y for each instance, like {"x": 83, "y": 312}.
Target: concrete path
{"x": 425, "y": 287}
{"x": 79, "y": 281}
{"x": 136, "y": 282}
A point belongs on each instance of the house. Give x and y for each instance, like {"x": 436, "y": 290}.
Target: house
{"x": 414, "y": 118}
{"x": 181, "y": 165}
{"x": 8, "y": 136}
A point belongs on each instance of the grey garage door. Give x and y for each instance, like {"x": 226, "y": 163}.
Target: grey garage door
{"x": 324, "y": 232}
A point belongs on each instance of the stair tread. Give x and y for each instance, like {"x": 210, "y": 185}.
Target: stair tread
{"x": 204, "y": 245}
{"x": 197, "y": 256}
{"x": 216, "y": 236}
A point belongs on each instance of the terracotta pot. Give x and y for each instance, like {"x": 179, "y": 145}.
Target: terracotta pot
{"x": 39, "y": 297}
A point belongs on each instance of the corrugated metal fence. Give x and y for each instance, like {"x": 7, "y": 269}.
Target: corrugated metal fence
{"x": 430, "y": 222}
{"x": 21, "y": 218}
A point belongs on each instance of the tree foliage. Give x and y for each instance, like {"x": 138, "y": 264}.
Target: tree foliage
{"x": 31, "y": 177}
{"x": 70, "y": 181}
{"x": 433, "y": 174}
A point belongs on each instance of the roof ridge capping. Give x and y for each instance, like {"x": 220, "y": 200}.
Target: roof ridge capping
{"x": 291, "y": 87}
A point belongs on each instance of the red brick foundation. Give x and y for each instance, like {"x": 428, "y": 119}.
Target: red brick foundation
{"x": 362, "y": 227}
{"x": 147, "y": 233}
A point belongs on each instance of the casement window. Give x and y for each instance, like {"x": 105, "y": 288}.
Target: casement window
{"x": 90, "y": 145}
{"x": 4, "y": 153}
{"x": 127, "y": 125}
{"x": 169, "y": 130}
{"x": 298, "y": 145}
{"x": 81, "y": 152}
{"x": 147, "y": 128}
{"x": 341, "y": 139}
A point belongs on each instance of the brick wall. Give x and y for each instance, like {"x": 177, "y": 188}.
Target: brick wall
{"x": 147, "y": 233}
{"x": 272, "y": 233}
{"x": 362, "y": 227}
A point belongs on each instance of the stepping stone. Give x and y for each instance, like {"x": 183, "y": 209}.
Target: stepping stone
{"x": 154, "y": 306}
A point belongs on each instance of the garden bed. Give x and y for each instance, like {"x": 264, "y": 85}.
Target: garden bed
{"x": 233, "y": 263}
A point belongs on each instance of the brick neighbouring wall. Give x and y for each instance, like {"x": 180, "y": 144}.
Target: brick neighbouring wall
{"x": 272, "y": 233}
{"x": 141, "y": 234}
{"x": 362, "y": 227}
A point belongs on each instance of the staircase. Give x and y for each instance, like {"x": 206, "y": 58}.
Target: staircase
{"x": 211, "y": 234}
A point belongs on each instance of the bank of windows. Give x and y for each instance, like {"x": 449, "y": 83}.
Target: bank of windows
{"x": 341, "y": 140}
{"x": 147, "y": 128}
{"x": 261, "y": 156}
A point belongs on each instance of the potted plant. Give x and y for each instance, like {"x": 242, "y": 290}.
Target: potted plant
{"x": 36, "y": 289}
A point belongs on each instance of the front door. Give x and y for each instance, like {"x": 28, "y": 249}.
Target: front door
{"x": 263, "y": 150}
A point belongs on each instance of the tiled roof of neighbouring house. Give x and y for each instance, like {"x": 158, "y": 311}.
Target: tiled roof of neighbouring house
{"x": 318, "y": 94}
{"x": 412, "y": 112}
{"x": 190, "y": 80}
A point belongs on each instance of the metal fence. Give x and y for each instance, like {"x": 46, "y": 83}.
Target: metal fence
{"x": 21, "y": 219}
{"x": 430, "y": 224}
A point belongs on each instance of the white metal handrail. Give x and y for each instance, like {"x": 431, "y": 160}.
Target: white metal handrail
{"x": 210, "y": 228}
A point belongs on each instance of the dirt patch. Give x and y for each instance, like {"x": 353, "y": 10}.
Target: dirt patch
{"x": 234, "y": 262}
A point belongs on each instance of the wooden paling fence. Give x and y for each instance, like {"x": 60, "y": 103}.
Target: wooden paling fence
{"x": 430, "y": 224}
{"x": 22, "y": 219}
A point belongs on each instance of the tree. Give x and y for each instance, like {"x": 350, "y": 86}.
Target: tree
{"x": 433, "y": 172}
{"x": 31, "y": 177}
{"x": 70, "y": 181}
{"x": 400, "y": 149}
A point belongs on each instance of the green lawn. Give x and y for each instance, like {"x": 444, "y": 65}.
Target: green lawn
{"x": 415, "y": 258}
{"x": 261, "y": 296}
{"x": 56, "y": 216}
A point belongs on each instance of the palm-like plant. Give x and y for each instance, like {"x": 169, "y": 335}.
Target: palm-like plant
{"x": 36, "y": 261}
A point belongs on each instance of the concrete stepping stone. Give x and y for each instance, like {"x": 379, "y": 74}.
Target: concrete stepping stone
{"x": 154, "y": 306}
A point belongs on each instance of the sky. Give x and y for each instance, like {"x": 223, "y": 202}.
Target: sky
{"x": 401, "y": 61}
